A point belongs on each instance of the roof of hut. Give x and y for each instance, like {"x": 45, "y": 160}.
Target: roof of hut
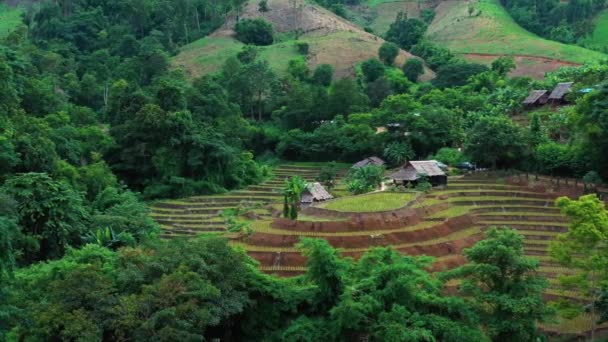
{"x": 561, "y": 90}
{"x": 534, "y": 96}
{"x": 317, "y": 193}
{"x": 369, "y": 161}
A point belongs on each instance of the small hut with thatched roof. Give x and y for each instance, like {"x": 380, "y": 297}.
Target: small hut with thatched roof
{"x": 369, "y": 161}
{"x": 536, "y": 98}
{"x": 315, "y": 192}
{"x": 558, "y": 95}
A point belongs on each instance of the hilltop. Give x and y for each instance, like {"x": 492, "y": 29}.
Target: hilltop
{"x": 333, "y": 40}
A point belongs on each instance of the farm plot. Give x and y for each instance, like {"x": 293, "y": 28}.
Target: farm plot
{"x": 202, "y": 214}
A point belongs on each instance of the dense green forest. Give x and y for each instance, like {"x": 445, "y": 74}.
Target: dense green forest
{"x": 94, "y": 120}
{"x": 566, "y": 22}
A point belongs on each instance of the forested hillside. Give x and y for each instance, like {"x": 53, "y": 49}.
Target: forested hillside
{"x": 108, "y": 108}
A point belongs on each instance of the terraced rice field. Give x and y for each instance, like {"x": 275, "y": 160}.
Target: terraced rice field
{"x": 440, "y": 224}
{"x": 202, "y": 214}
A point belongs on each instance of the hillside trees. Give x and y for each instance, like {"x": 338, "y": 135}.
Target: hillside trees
{"x": 254, "y": 31}
{"x": 494, "y": 141}
{"x": 587, "y": 231}
{"x": 405, "y": 32}
{"x": 413, "y": 69}
{"x": 388, "y": 52}
{"x": 504, "y": 287}
{"x": 385, "y": 296}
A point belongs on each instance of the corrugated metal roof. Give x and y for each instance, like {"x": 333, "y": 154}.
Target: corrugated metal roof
{"x": 427, "y": 167}
{"x": 412, "y": 170}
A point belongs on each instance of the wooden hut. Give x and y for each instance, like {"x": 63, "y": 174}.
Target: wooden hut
{"x": 315, "y": 192}
{"x": 558, "y": 95}
{"x": 413, "y": 170}
{"x": 369, "y": 161}
{"x": 536, "y": 98}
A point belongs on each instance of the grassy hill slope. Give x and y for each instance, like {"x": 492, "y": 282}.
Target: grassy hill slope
{"x": 491, "y": 31}
{"x": 9, "y": 18}
{"x": 332, "y": 40}
{"x": 379, "y": 14}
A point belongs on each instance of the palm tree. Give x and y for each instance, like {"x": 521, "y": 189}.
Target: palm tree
{"x": 292, "y": 194}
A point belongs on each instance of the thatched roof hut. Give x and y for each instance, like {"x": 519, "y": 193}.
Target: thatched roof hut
{"x": 315, "y": 192}
{"x": 560, "y": 91}
{"x": 537, "y": 97}
{"x": 369, "y": 161}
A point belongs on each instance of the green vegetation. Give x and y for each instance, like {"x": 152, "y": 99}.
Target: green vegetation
{"x": 9, "y": 19}
{"x": 383, "y": 201}
{"x": 597, "y": 39}
{"x": 94, "y": 120}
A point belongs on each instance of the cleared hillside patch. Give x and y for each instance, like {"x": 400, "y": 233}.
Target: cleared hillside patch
{"x": 333, "y": 40}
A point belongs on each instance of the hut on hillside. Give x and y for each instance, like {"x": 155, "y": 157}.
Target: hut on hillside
{"x": 536, "y": 98}
{"x": 414, "y": 170}
{"x": 558, "y": 95}
{"x": 315, "y": 192}
{"x": 369, "y": 161}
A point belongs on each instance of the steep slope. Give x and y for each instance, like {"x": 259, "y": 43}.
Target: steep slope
{"x": 332, "y": 40}
{"x": 379, "y": 14}
{"x": 491, "y": 32}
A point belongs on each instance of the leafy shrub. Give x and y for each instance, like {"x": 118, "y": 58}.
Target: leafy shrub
{"x": 423, "y": 184}
{"x": 255, "y": 31}
{"x": 388, "y": 52}
{"x": 449, "y": 156}
{"x": 263, "y": 6}
{"x": 323, "y": 75}
{"x": 413, "y": 69}
{"x": 303, "y": 47}
{"x": 364, "y": 179}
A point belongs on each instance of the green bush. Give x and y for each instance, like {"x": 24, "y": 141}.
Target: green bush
{"x": 364, "y": 179}
{"x": 255, "y": 31}
{"x": 413, "y": 69}
{"x": 303, "y": 48}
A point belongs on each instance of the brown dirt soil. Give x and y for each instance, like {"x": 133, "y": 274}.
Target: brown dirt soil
{"x": 531, "y": 66}
{"x": 362, "y": 241}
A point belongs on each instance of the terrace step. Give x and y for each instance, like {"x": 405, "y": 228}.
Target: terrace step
{"x": 264, "y": 188}
{"x": 195, "y": 205}
{"x": 532, "y": 217}
{"x": 189, "y": 222}
{"x": 528, "y": 226}
{"x": 256, "y": 193}
{"x": 501, "y": 202}
{"x": 515, "y": 208}
{"x": 174, "y": 212}
{"x": 194, "y": 230}
{"x": 229, "y": 199}
{"x": 482, "y": 187}
{"x": 506, "y": 193}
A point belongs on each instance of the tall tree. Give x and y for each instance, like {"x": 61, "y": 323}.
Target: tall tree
{"x": 584, "y": 247}
{"x": 504, "y": 286}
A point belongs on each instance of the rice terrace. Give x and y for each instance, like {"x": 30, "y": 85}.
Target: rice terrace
{"x": 440, "y": 223}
